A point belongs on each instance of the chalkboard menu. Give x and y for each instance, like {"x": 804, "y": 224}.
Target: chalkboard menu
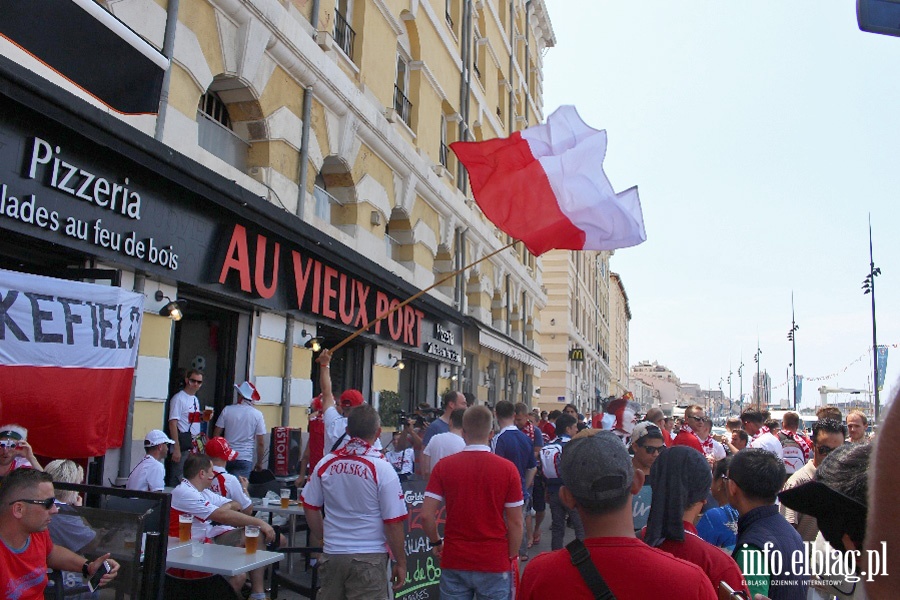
{"x": 423, "y": 571}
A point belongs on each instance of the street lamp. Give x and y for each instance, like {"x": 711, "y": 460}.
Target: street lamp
{"x": 741, "y": 377}
{"x": 758, "y": 386}
{"x": 868, "y": 286}
{"x": 792, "y": 337}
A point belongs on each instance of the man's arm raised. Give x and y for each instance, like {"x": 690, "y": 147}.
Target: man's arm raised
{"x": 324, "y": 361}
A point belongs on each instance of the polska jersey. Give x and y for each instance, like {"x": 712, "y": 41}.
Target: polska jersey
{"x": 550, "y": 456}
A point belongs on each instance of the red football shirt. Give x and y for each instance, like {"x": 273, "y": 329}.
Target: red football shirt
{"x": 476, "y": 486}
{"x": 632, "y": 570}
{"x": 24, "y": 574}
{"x": 717, "y": 565}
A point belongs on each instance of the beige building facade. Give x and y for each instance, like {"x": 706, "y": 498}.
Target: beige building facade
{"x": 620, "y": 317}
{"x": 300, "y": 167}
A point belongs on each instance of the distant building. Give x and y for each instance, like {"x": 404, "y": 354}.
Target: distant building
{"x": 620, "y": 317}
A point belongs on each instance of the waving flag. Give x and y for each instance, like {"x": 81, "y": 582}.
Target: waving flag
{"x": 545, "y": 185}
{"x": 67, "y": 356}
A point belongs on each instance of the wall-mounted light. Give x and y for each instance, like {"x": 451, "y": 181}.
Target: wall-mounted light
{"x": 310, "y": 341}
{"x": 171, "y": 310}
{"x": 395, "y": 362}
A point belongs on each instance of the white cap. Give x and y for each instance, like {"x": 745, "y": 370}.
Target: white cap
{"x": 155, "y": 438}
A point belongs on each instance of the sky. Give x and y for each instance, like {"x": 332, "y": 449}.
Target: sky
{"x": 761, "y": 135}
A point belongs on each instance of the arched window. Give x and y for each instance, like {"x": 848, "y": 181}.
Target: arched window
{"x": 215, "y": 133}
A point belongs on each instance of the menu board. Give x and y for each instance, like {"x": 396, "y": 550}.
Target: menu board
{"x": 423, "y": 571}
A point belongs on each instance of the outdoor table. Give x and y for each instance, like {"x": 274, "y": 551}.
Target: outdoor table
{"x": 220, "y": 560}
{"x": 175, "y": 542}
{"x": 291, "y": 512}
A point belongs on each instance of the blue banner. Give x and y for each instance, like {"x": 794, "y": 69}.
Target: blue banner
{"x": 882, "y": 365}
{"x": 798, "y": 385}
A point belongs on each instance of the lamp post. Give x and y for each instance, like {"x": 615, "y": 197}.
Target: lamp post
{"x": 868, "y": 286}
{"x": 741, "y": 377}
{"x": 793, "y": 339}
{"x": 730, "y": 400}
{"x": 758, "y": 386}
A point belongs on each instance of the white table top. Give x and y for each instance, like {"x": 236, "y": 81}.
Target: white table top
{"x": 292, "y": 509}
{"x": 175, "y": 542}
{"x": 220, "y": 560}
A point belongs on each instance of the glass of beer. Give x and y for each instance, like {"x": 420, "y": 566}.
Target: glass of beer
{"x": 285, "y": 497}
{"x": 251, "y": 538}
{"x": 184, "y": 527}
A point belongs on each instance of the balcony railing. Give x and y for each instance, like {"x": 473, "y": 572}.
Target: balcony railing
{"x": 324, "y": 200}
{"x": 344, "y": 34}
{"x": 401, "y": 104}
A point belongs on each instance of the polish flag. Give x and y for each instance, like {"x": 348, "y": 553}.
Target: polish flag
{"x": 545, "y": 186}
{"x": 67, "y": 358}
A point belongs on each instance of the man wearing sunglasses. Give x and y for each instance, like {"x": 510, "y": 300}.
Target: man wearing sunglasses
{"x": 27, "y": 504}
{"x": 694, "y": 418}
{"x": 828, "y": 435}
{"x": 184, "y": 422}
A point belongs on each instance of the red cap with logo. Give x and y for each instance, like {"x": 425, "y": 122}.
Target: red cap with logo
{"x": 351, "y": 398}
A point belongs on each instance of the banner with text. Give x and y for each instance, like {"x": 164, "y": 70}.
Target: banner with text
{"x": 67, "y": 356}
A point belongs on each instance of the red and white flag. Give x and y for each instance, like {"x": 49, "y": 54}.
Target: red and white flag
{"x": 67, "y": 356}
{"x": 545, "y": 186}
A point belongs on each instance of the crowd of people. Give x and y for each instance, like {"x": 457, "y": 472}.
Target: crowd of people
{"x": 659, "y": 507}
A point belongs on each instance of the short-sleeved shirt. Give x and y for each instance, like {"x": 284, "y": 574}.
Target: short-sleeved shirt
{"x": 436, "y": 427}
{"x": 513, "y": 445}
{"x": 242, "y": 422}
{"x": 23, "y": 571}
{"x": 476, "y": 487}
{"x": 632, "y": 570}
{"x": 443, "y": 445}
{"x": 767, "y": 441}
{"x": 360, "y": 492}
{"x": 717, "y": 565}
{"x": 718, "y": 526}
{"x": 186, "y": 409}
{"x": 227, "y": 485}
{"x": 335, "y": 427}
{"x": 188, "y": 499}
{"x": 148, "y": 476}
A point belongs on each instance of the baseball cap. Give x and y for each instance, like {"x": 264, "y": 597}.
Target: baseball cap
{"x": 156, "y": 437}
{"x": 218, "y": 447}
{"x": 247, "y": 390}
{"x": 596, "y": 470}
{"x": 351, "y": 398}
{"x": 13, "y": 432}
{"x": 645, "y": 429}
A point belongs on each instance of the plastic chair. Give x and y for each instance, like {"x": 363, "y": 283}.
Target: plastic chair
{"x": 215, "y": 586}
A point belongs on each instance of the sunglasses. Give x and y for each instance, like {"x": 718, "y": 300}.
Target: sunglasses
{"x": 9, "y": 444}
{"x": 47, "y": 503}
{"x": 653, "y": 449}
{"x": 196, "y": 381}
{"x": 825, "y": 450}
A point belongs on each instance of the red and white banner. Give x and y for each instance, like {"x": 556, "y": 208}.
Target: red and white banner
{"x": 67, "y": 356}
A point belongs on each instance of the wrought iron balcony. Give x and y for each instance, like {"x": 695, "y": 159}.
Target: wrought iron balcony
{"x": 401, "y": 104}
{"x": 344, "y": 34}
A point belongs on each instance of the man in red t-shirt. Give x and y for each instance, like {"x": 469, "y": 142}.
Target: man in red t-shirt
{"x": 27, "y": 503}
{"x": 694, "y": 417}
{"x": 483, "y": 530}
{"x": 656, "y": 416}
{"x": 599, "y": 481}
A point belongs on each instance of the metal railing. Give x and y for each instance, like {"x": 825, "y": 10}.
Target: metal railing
{"x": 344, "y": 34}
{"x": 401, "y": 104}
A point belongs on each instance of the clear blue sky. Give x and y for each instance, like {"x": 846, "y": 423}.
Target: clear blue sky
{"x": 761, "y": 135}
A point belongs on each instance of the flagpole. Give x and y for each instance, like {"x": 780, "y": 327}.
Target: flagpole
{"x": 417, "y": 295}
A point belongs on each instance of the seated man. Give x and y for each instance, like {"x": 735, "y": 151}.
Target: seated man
{"x": 27, "y": 505}
{"x": 149, "y": 475}
{"x": 215, "y": 517}
{"x": 599, "y": 481}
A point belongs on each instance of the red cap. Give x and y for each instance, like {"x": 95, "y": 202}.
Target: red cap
{"x": 317, "y": 403}
{"x": 218, "y": 447}
{"x": 351, "y": 398}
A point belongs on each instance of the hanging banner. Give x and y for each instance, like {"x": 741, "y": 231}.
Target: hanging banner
{"x": 882, "y": 365}
{"x": 67, "y": 356}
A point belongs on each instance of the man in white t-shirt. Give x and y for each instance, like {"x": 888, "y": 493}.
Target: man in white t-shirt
{"x": 760, "y": 437}
{"x": 333, "y": 415}
{"x": 245, "y": 429}
{"x": 225, "y": 484}
{"x": 444, "y": 444}
{"x": 215, "y": 517}
{"x": 364, "y": 509}
{"x": 149, "y": 475}
{"x": 184, "y": 422}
